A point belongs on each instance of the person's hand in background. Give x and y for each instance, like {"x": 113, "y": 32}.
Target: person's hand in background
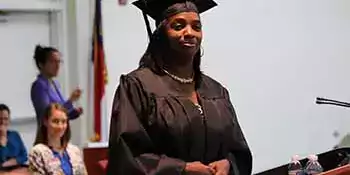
{"x": 10, "y": 162}
{"x": 80, "y": 110}
{"x": 75, "y": 95}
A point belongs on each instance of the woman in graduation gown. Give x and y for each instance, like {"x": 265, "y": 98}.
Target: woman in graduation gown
{"x": 168, "y": 117}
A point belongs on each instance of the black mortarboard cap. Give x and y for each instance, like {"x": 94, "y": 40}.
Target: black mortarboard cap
{"x": 155, "y": 8}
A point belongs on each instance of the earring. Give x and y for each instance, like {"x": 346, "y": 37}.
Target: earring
{"x": 201, "y": 51}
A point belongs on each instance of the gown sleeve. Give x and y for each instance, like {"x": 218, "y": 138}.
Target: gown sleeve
{"x": 239, "y": 155}
{"x": 131, "y": 150}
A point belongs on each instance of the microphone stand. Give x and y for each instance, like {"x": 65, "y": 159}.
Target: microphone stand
{"x": 319, "y": 100}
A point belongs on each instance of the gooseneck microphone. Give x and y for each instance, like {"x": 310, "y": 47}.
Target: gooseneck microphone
{"x": 326, "y": 101}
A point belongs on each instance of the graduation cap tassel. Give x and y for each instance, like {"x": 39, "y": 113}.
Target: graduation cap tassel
{"x": 148, "y": 27}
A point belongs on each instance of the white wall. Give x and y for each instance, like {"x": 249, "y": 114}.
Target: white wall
{"x": 32, "y": 4}
{"x": 35, "y": 27}
{"x": 274, "y": 56}
{"x": 80, "y": 17}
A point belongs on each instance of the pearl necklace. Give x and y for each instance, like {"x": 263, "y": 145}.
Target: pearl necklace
{"x": 181, "y": 80}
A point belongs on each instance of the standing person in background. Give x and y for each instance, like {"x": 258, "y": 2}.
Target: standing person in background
{"x": 45, "y": 90}
{"x": 12, "y": 150}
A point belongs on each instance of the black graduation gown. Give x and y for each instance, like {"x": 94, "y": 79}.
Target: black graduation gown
{"x": 155, "y": 130}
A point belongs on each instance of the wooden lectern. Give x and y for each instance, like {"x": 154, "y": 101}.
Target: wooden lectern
{"x": 93, "y": 155}
{"x": 330, "y": 162}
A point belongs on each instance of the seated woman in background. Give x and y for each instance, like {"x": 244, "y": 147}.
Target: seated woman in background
{"x": 52, "y": 153}
{"x": 45, "y": 90}
{"x": 12, "y": 150}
